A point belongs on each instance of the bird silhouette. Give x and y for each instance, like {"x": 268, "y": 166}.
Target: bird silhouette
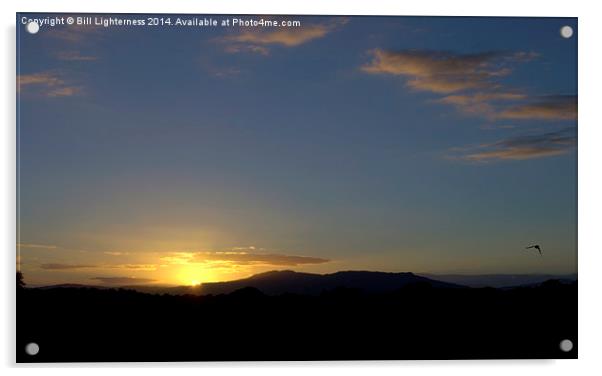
{"x": 536, "y": 246}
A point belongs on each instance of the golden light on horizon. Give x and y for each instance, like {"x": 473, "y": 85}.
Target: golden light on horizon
{"x": 195, "y": 274}
{"x": 174, "y": 268}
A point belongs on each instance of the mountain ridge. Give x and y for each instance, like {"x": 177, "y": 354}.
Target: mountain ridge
{"x": 277, "y": 282}
{"x": 287, "y": 281}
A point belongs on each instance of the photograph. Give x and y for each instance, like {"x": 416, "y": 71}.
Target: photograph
{"x": 256, "y": 187}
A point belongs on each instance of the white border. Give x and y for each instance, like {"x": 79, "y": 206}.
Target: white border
{"x": 590, "y": 132}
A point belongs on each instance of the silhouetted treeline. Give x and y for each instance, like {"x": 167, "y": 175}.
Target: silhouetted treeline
{"x": 20, "y": 281}
{"x": 414, "y": 322}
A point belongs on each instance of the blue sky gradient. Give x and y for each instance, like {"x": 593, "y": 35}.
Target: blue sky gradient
{"x": 442, "y": 145}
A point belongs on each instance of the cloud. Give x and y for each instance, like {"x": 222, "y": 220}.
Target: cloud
{"x": 66, "y": 266}
{"x": 48, "y": 79}
{"x": 289, "y": 37}
{"x": 523, "y": 147}
{"x": 481, "y": 103}
{"x": 75, "y": 34}
{"x": 115, "y": 253}
{"x": 258, "y": 41}
{"x": 442, "y": 71}
{"x": 237, "y": 257}
{"x": 74, "y": 56}
{"x": 38, "y": 246}
{"x": 145, "y": 267}
{"x": 236, "y": 48}
{"x": 49, "y": 84}
{"x": 470, "y": 82}
{"x": 222, "y": 71}
{"x": 559, "y": 107}
{"x": 257, "y": 258}
{"x": 137, "y": 267}
{"x": 65, "y": 91}
{"x": 123, "y": 280}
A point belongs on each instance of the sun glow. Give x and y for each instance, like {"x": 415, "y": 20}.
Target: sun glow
{"x": 183, "y": 269}
{"x": 195, "y": 274}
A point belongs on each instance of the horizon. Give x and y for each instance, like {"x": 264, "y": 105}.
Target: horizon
{"x": 183, "y": 156}
{"x": 480, "y": 278}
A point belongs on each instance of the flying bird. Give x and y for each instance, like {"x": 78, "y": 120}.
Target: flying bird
{"x": 536, "y": 246}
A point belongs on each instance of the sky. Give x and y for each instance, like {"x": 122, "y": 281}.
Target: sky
{"x": 182, "y": 155}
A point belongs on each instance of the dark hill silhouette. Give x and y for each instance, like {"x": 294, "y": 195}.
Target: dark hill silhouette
{"x": 499, "y": 280}
{"x": 287, "y": 281}
{"x": 279, "y": 282}
{"x": 418, "y": 319}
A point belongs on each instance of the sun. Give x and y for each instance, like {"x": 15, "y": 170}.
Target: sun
{"x": 195, "y": 282}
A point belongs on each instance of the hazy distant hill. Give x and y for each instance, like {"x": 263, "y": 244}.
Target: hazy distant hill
{"x": 286, "y": 281}
{"x": 71, "y": 286}
{"x": 499, "y": 280}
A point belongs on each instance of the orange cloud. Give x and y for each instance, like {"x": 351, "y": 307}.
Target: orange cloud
{"x": 141, "y": 267}
{"x": 257, "y": 41}
{"x": 39, "y": 246}
{"x": 517, "y": 153}
{"x": 123, "y": 280}
{"x": 480, "y": 103}
{"x": 236, "y": 48}
{"x": 442, "y": 72}
{"x": 48, "y": 84}
{"x": 75, "y": 34}
{"x": 134, "y": 267}
{"x": 237, "y": 257}
{"x": 74, "y": 56}
{"x": 66, "y": 266}
{"x": 470, "y": 82}
{"x": 523, "y": 147}
{"x": 257, "y": 258}
{"x": 563, "y": 107}
{"x": 289, "y": 37}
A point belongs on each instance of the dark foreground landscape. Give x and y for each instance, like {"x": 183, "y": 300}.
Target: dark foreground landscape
{"x": 294, "y": 316}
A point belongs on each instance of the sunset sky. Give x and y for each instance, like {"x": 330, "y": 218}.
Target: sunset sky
{"x": 175, "y": 155}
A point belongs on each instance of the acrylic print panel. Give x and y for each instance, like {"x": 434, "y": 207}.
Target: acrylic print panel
{"x": 221, "y": 187}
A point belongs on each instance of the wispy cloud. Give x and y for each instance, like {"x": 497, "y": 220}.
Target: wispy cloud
{"x": 75, "y": 34}
{"x": 442, "y": 71}
{"x": 38, "y": 246}
{"x": 472, "y": 82}
{"x": 521, "y": 147}
{"x": 74, "y": 56}
{"x": 289, "y": 37}
{"x": 66, "y": 266}
{"x": 257, "y": 258}
{"x": 238, "y": 257}
{"x": 123, "y": 280}
{"x": 481, "y": 103}
{"x": 116, "y": 253}
{"x": 105, "y": 266}
{"x": 139, "y": 267}
{"x": 236, "y": 48}
{"x": 49, "y": 84}
{"x": 258, "y": 41}
{"x": 559, "y": 107}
